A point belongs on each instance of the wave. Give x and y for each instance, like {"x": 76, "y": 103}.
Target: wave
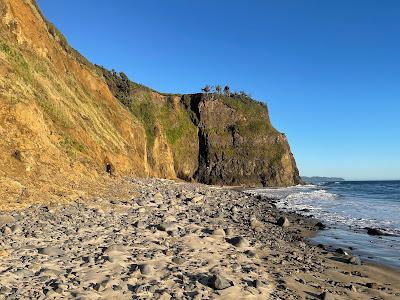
{"x": 333, "y": 207}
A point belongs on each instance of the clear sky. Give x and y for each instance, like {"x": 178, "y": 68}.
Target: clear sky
{"x": 328, "y": 70}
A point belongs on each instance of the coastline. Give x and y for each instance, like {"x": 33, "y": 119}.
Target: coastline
{"x": 193, "y": 233}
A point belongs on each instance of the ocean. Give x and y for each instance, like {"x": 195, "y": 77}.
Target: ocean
{"x": 347, "y": 208}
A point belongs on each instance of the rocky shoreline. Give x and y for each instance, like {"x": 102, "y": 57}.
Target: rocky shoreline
{"x": 173, "y": 240}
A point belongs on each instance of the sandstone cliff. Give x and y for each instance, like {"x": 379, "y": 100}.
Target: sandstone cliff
{"x": 64, "y": 120}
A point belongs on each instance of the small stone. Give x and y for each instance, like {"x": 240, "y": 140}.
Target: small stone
{"x": 256, "y": 224}
{"x": 16, "y": 228}
{"x": 140, "y": 224}
{"x": 219, "y": 232}
{"x": 178, "y": 260}
{"x": 51, "y": 251}
{"x": 354, "y": 260}
{"x": 7, "y": 230}
{"x": 352, "y": 288}
{"x": 258, "y": 283}
{"x": 342, "y": 251}
{"x": 6, "y": 219}
{"x": 239, "y": 242}
{"x": 167, "y": 227}
{"x": 251, "y": 253}
{"x": 375, "y": 231}
{"x": 371, "y": 285}
{"x": 302, "y": 281}
{"x": 327, "y": 296}
{"x": 219, "y": 282}
{"x": 146, "y": 269}
{"x": 320, "y": 226}
{"x": 283, "y": 222}
{"x": 229, "y": 231}
{"x": 197, "y": 199}
{"x": 158, "y": 196}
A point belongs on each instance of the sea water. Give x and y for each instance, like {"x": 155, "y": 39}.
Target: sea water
{"x": 348, "y": 208}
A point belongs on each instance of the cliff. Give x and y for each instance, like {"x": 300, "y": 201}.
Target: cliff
{"x": 64, "y": 122}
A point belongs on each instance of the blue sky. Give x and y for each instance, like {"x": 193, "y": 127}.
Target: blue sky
{"x": 328, "y": 70}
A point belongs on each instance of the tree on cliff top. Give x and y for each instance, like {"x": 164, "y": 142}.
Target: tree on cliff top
{"x": 206, "y": 89}
{"x": 227, "y": 90}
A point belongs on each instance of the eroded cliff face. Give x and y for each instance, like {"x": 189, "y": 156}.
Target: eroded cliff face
{"x": 239, "y": 146}
{"x": 63, "y": 120}
{"x": 214, "y": 138}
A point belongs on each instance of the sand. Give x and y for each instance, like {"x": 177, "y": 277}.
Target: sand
{"x": 162, "y": 239}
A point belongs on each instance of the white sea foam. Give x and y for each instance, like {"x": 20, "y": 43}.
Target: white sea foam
{"x": 330, "y": 207}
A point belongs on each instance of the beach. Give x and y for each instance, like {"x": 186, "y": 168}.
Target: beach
{"x": 160, "y": 239}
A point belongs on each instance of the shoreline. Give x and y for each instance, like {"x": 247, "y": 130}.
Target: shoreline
{"x": 344, "y": 237}
{"x": 163, "y": 239}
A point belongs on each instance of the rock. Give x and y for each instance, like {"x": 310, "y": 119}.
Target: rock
{"x": 218, "y": 232}
{"x": 375, "y": 231}
{"x": 146, "y": 269}
{"x": 219, "y": 282}
{"x": 320, "y": 226}
{"x": 6, "y": 219}
{"x": 342, "y": 251}
{"x": 197, "y": 199}
{"x": 115, "y": 250}
{"x": 158, "y": 196}
{"x": 352, "y": 288}
{"x": 283, "y": 222}
{"x": 16, "y": 228}
{"x": 302, "y": 281}
{"x": 354, "y": 260}
{"x": 140, "y": 225}
{"x": 256, "y": 224}
{"x": 168, "y": 227}
{"x": 371, "y": 285}
{"x": 51, "y": 251}
{"x": 258, "y": 284}
{"x": 326, "y": 296}
{"x": 239, "y": 242}
{"x": 178, "y": 260}
{"x": 7, "y": 230}
{"x": 229, "y": 231}
{"x": 251, "y": 253}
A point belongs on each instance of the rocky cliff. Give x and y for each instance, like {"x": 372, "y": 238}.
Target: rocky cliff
{"x": 64, "y": 122}
{"x": 214, "y": 138}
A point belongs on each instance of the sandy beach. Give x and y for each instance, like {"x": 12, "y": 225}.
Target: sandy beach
{"x": 174, "y": 240}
